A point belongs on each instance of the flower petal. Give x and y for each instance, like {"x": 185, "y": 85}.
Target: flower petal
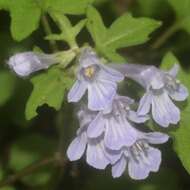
{"x": 77, "y": 147}
{"x": 142, "y": 74}
{"x": 164, "y": 110}
{"x": 77, "y": 91}
{"x": 144, "y": 104}
{"x": 157, "y": 82}
{"x": 111, "y": 74}
{"x": 140, "y": 169}
{"x": 181, "y": 94}
{"x": 88, "y": 57}
{"x": 119, "y": 134}
{"x": 119, "y": 167}
{"x": 96, "y": 156}
{"x": 154, "y": 159}
{"x": 155, "y": 137}
{"x": 137, "y": 118}
{"x": 85, "y": 116}
{"x": 174, "y": 70}
{"x": 125, "y": 100}
{"x": 137, "y": 170}
{"x": 96, "y": 127}
{"x": 101, "y": 94}
{"x": 113, "y": 155}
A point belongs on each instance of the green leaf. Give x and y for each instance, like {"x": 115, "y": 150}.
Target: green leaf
{"x": 74, "y": 7}
{"x": 181, "y": 136}
{"x": 68, "y": 32}
{"x": 48, "y": 88}
{"x": 25, "y": 16}
{"x": 7, "y": 86}
{"x": 181, "y": 9}
{"x": 28, "y": 150}
{"x": 125, "y": 31}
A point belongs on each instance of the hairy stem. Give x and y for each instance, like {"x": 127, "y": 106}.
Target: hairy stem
{"x": 48, "y": 31}
{"x": 165, "y": 36}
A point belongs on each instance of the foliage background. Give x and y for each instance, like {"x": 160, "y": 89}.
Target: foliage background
{"x": 32, "y": 153}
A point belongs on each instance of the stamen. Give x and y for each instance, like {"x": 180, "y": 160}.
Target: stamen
{"x": 172, "y": 83}
{"x": 89, "y": 71}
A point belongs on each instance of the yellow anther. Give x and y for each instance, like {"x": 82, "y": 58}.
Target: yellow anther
{"x": 89, "y": 72}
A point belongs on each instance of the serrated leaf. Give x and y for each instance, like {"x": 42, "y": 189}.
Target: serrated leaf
{"x": 25, "y": 14}
{"x": 68, "y": 32}
{"x": 181, "y": 136}
{"x": 125, "y": 31}
{"x": 48, "y": 88}
{"x": 7, "y": 86}
{"x": 181, "y": 9}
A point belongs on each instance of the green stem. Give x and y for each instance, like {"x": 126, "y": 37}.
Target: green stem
{"x": 48, "y": 31}
{"x": 165, "y": 36}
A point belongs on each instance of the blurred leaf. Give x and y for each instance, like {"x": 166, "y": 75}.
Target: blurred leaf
{"x": 125, "y": 31}
{"x": 28, "y": 150}
{"x": 68, "y": 32}
{"x": 8, "y": 188}
{"x": 7, "y": 86}
{"x": 181, "y": 136}
{"x": 48, "y": 88}
{"x": 151, "y": 8}
{"x": 25, "y": 14}
{"x": 100, "y": 2}
{"x": 39, "y": 177}
{"x": 1, "y": 178}
{"x": 181, "y": 9}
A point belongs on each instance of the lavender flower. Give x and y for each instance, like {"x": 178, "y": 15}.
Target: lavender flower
{"x": 161, "y": 87}
{"x": 116, "y": 124}
{"x": 138, "y": 155}
{"x": 98, "y": 79}
{"x": 140, "y": 158}
{"x": 95, "y": 151}
{"x": 23, "y": 64}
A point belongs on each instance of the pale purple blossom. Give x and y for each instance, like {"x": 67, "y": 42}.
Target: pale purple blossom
{"x": 98, "y": 79}
{"x": 23, "y": 64}
{"x": 140, "y": 158}
{"x": 161, "y": 87}
{"x": 116, "y": 124}
{"x": 93, "y": 148}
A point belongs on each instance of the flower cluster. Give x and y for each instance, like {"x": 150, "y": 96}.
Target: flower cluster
{"x": 108, "y": 132}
